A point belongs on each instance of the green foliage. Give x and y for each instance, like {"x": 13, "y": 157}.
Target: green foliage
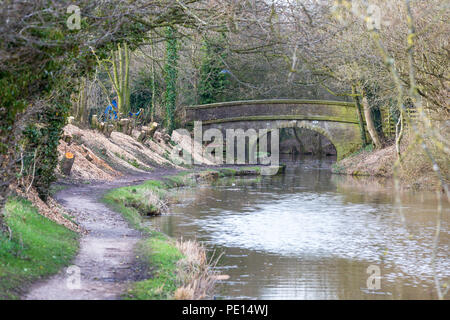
{"x": 39, "y": 247}
{"x": 41, "y": 145}
{"x": 171, "y": 75}
{"x": 141, "y": 96}
{"x": 213, "y": 79}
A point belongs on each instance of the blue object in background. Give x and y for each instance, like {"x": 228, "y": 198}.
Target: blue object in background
{"x": 110, "y": 113}
{"x": 131, "y": 114}
{"x": 109, "y": 109}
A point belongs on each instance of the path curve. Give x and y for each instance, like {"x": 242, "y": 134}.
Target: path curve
{"x": 106, "y": 256}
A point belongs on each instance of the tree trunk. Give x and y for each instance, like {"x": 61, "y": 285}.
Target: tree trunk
{"x": 360, "y": 117}
{"x": 3, "y": 198}
{"x": 7, "y": 175}
{"x": 378, "y": 143}
{"x": 302, "y": 148}
{"x": 82, "y": 102}
{"x": 153, "y": 104}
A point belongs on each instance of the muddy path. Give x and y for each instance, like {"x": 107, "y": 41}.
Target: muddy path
{"x": 106, "y": 258}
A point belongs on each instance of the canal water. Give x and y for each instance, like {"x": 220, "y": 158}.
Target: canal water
{"x": 310, "y": 234}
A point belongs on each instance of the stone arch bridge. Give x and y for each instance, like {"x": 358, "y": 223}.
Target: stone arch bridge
{"x": 336, "y": 120}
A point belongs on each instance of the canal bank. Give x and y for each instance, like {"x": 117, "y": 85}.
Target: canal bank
{"x": 414, "y": 172}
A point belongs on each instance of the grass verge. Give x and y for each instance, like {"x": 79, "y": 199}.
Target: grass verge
{"x": 38, "y": 248}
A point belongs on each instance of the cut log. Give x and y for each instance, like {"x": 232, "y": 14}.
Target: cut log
{"x": 87, "y": 154}
{"x": 67, "y": 163}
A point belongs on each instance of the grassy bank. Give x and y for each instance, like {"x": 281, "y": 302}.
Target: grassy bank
{"x": 38, "y": 248}
{"x": 180, "y": 270}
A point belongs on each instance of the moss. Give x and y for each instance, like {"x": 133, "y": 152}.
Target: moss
{"x": 39, "y": 247}
{"x": 227, "y": 172}
{"x": 368, "y": 148}
{"x": 345, "y": 118}
{"x": 182, "y": 179}
{"x": 134, "y": 162}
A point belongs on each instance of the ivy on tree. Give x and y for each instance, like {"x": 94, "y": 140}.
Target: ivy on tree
{"x": 213, "y": 76}
{"x": 171, "y": 75}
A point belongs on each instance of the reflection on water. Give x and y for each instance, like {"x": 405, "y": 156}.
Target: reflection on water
{"x": 309, "y": 234}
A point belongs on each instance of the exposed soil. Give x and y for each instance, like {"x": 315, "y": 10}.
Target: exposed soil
{"x": 106, "y": 257}
{"x": 416, "y": 171}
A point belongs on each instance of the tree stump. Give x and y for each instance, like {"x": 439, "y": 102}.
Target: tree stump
{"x": 153, "y": 127}
{"x": 147, "y": 132}
{"x": 94, "y": 122}
{"x": 108, "y": 130}
{"x": 157, "y": 136}
{"x": 70, "y": 120}
{"x": 131, "y": 126}
{"x": 125, "y": 123}
{"x": 142, "y": 135}
{"x": 67, "y": 163}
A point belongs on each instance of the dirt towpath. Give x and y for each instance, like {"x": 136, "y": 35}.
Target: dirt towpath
{"x": 106, "y": 258}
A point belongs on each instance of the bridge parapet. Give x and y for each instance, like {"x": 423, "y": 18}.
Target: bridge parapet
{"x": 279, "y": 109}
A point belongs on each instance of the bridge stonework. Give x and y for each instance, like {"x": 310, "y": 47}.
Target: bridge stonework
{"x": 335, "y": 120}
